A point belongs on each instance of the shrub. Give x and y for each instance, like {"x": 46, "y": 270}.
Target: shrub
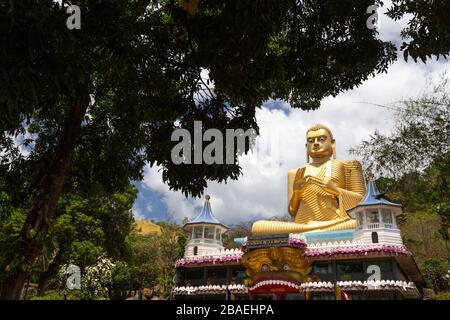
{"x": 49, "y": 295}
{"x": 442, "y": 296}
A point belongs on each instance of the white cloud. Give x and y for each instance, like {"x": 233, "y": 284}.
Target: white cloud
{"x": 137, "y": 213}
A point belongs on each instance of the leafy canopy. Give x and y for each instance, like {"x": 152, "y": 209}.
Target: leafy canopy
{"x": 142, "y": 66}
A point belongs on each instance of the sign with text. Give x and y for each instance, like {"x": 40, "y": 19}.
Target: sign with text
{"x": 280, "y": 240}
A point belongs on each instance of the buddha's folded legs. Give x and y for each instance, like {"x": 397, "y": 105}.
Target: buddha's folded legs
{"x": 274, "y": 227}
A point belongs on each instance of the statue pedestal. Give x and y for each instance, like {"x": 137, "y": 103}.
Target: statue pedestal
{"x": 275, "y": 265}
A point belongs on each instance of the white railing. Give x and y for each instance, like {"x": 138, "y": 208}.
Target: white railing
{"x": 211, "y": 251}
{"x": 335, "y": 244}
{"x": 217, "y": 253}
{"x": 376, "y": 226}
{"x": 205, "y": 240}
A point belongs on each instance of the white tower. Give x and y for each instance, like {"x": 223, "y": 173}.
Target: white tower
{"x": 205, "y": 233}
{"x": 376, "y": 219}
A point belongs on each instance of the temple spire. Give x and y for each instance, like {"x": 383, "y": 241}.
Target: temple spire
{"x": 206, "y": 215}
{"x": 373, "y": 196}
{"x": 204, "y": 232}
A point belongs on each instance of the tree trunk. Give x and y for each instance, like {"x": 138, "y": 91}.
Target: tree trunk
{"x": 46, "y": 198}
{"x": 26, "y": 289}
{"x": 51, "y": 271}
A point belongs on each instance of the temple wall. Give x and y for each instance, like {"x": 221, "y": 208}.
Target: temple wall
{"x": 202, "y": 249}
{"x": 385, "y": 236}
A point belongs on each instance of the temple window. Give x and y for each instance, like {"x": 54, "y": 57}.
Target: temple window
{"x": 238, "y": 275}
{"x": 386, "y": 268}
{"x": 360, "y": 218}
{"x": 209, "y": 232}
{"x": 322, "y": 268}
{"x": 219, "y": 275}
{"x": 385, "y": 265}
{"x": 218, "y": 234}
{"x": 372, "y": 216}
{"x": 195, "y": 250}
{"x": 351, "y": 270}
{"x": 386, "y": 216}
{"x": 194, "y": 276}
{"x": 198, "y": 232}
{"x": 374, "y": 237}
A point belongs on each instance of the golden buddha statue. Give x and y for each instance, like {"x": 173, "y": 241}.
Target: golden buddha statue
{"x": 320, "y": 192}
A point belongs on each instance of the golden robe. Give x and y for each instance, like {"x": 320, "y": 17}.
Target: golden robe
{"x": 318, "y": 209}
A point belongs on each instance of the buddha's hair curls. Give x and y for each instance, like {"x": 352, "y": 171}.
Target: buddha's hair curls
{"x": 318, "y": 127}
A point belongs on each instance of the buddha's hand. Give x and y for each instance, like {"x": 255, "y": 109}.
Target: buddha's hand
{"x": 332, "y": 188}
{"x": 298, "y": 185}
{"x": 326, "y": 184}
{"x": 299, "y": 181}
{"x": 295, "y": 201}
{"x": 298, "y": 193}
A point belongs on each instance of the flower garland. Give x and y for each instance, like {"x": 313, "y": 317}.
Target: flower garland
{"x": 297, "y": 242}
{"x": 356, "y": 251}
{"x": 358, "y": 285}
{"x": 310, "y": 253}
{"x": 276, "y": 283}
{"x": 211, "y": 289}
{"x": 219, "y": 259}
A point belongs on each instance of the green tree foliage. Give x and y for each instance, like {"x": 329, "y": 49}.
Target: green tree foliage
{"x": 435, "y": 272}
{"x": 50, "y": 295}
{"x": 420, "y": 231}
{"x": 86, "y": 229}
{"x": 11, "y": 222}
{"x": 97, "y": 279}
{"x": 422, "y": 131}
{"x": 154, "y": 256}
{"x": 122, "y": 280}
{"x": 415, "y": 157}
{"x": 83, "y": 230}
{"x": 442, "y": 296}
{"x": 428, "y": 31}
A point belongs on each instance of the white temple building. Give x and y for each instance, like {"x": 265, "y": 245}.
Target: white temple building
{"x": 368, "y": 262}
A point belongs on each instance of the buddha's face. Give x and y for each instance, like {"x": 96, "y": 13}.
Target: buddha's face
{"x": 319, "y": 144}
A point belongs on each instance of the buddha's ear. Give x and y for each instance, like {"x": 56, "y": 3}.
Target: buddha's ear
{"x": 333, "y": 143}
{"x": 307, "y": 154}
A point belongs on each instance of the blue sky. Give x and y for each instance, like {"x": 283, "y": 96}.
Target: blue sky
{"x": 149, "y": 204}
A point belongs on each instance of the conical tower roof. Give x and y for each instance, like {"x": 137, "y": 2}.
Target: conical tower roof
{"x": 206, "y": 216}
{"x": 373, "y": 197}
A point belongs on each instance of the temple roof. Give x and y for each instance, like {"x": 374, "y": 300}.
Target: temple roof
{"x": 373, "y": 197}
{"x": 206, "y": 216}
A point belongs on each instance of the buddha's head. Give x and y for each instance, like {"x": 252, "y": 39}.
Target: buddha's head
{"x": 319, "y": 143}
